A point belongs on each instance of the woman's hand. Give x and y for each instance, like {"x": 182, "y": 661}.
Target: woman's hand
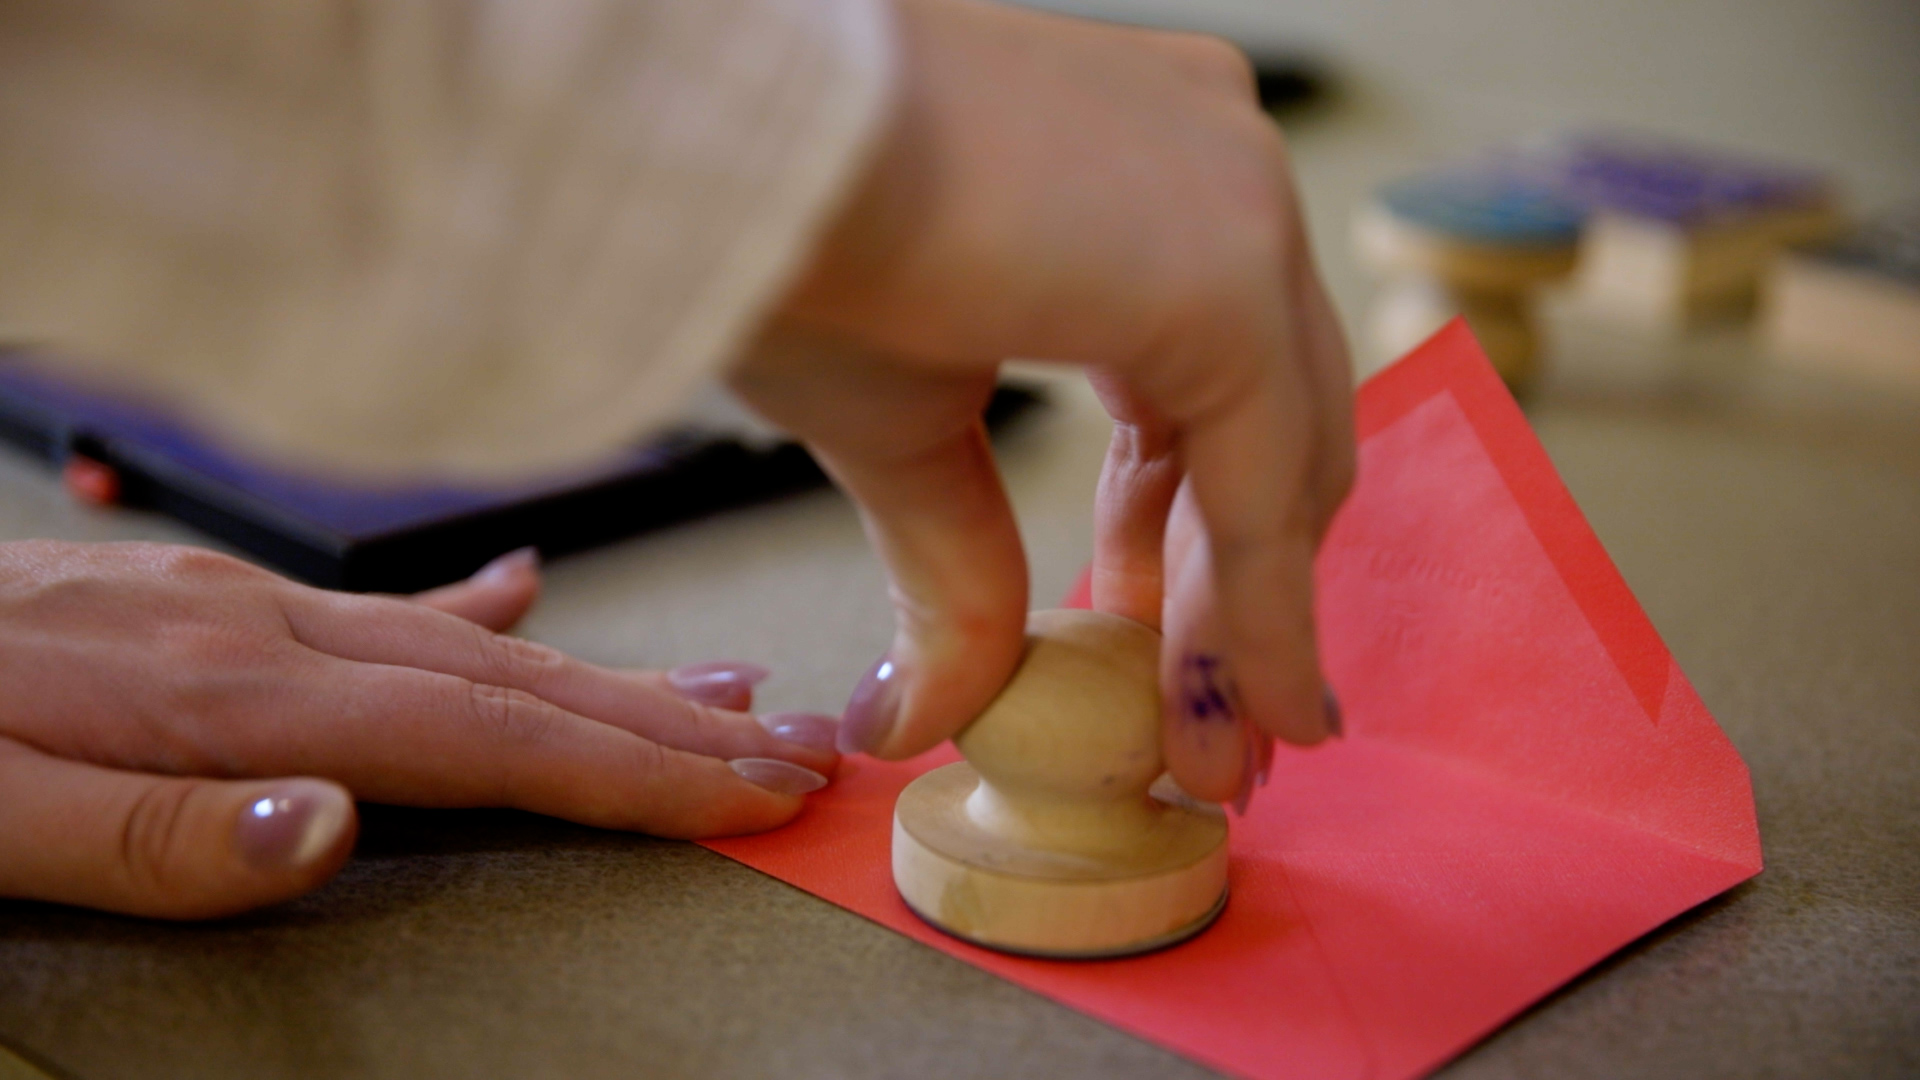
{"x": 1114, "y": 198}
{"x": 183, "y": 735}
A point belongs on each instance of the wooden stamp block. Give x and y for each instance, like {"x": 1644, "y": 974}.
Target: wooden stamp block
{"x": 1477, "y": 244}
{"x": 1852, "y": 307}
{"x": 1047, "y": 840}
{"x": 1675, "y": 235}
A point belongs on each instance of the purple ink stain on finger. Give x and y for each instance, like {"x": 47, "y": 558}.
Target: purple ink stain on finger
{"x": 1207, "y": 692}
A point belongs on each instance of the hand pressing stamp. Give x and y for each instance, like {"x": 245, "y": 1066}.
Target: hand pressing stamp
{"x": 1046, "y": 841}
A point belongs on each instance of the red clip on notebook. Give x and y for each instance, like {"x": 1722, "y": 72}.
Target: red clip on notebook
{"x": 1528, "y": 783}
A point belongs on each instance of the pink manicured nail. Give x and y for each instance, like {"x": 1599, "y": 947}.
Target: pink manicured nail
{"x": 872, "y": 709}
{"x": 811, "y": 730}
{"x": 717, "y": 682}
{"x": 1265, "y": 759}
{"x": 780, "y": 777}
{"x": 508, "y": 566}
{"x": 292, "y": 825}
{"x": 1336, "y": 723}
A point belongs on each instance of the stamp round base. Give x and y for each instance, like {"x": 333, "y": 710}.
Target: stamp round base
{"x": 1165, "y": 941}
{"x": 1167, "y": 884}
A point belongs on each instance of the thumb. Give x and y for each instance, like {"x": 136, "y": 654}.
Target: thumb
{"x": 945, "y": 530}
{"x": 166, "y": 847}
{"x": 908, "y": 445}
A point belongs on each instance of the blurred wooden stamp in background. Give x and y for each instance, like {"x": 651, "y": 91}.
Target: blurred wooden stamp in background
{"x": 1851, "y": 307}
{"x": 1675, "y": 234}
{"x": 1476, "y": 243}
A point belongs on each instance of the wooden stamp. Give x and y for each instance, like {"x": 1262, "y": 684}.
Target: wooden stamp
{"x": 1677, "y": 235}
{"x": 1478, "y": 244}
{"x": 1047, "y": 841}
{"x": 1851, "y": 307}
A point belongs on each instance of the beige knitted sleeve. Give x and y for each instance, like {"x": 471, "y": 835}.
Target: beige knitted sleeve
{"x": 485, "y": 236}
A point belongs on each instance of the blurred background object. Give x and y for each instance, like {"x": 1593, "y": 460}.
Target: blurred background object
{"x": 1680, "y": 233}
{"x": 1475, "y": 243}
{"x": 1852, "y": 306}
{"x": 1656, "y": 234}
{"x": 1832, "y": 90}
{"x": 114, "y": 449}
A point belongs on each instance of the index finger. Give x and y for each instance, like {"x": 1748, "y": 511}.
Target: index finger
{"x": 421, "y": 738}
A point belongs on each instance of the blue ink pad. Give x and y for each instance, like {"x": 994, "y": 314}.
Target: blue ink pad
{"x": 1488, "y": 206}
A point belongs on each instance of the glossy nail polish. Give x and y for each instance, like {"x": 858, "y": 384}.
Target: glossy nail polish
{"x": 717, "y": 682}
{"x": 1265, "y": 759}
{"x": 1336, "y": 724}
{"x": 504, "y": 568}
{"x": 811, "y": 730}
{"x": 780, "y": 777}
{"x": 292, "y": 825}
{"x": 872, "y": 709}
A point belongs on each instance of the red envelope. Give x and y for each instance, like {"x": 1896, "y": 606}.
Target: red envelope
{"x": 1528, "y": 782}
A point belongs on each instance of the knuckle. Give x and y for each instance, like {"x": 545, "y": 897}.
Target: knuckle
{"x": 1227, "y": 64}
{"x": 1246, "y": 246}
{"x": 516, "y": 662}
{"x": 1214, "y": 60}
{"x": 1266, "y": 228}
{"x": 151, "y": 836}
{"x": 212, "y": 668}
{"x": 1143, "y": 446}
{"x": 511, "y": 717}
{"x": 702, "y": 726}
{"x": 200, "y": 564}
{"x": 674, "y": 794}
{"x": 963, "y": 624}
{"x": 659, "y": 803}
{"x": 213, "y": 646}
{"x": 650, "y": 763}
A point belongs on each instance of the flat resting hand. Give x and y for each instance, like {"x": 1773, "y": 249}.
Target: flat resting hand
{"x": 167, "y": 713}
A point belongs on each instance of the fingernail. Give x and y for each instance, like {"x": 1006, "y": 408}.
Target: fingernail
{"x": 811, "y": 730}
{"x": 292, "y": 825}
{"x": 717, "y": 682}
{"x": 872, "y": 709}
{"x": 780, "y": 777}
{"x": 1335, "y": 724}
{"x": 1244, "y": 799}
{"x": 507, "y": 566}
{"x": 1249, "y": 775}
{"x": 1266, "y": 760}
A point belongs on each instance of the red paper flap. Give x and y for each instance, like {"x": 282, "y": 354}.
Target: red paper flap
{"x": 1528, "y": 782}
{"x": 1496, "y": 620}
